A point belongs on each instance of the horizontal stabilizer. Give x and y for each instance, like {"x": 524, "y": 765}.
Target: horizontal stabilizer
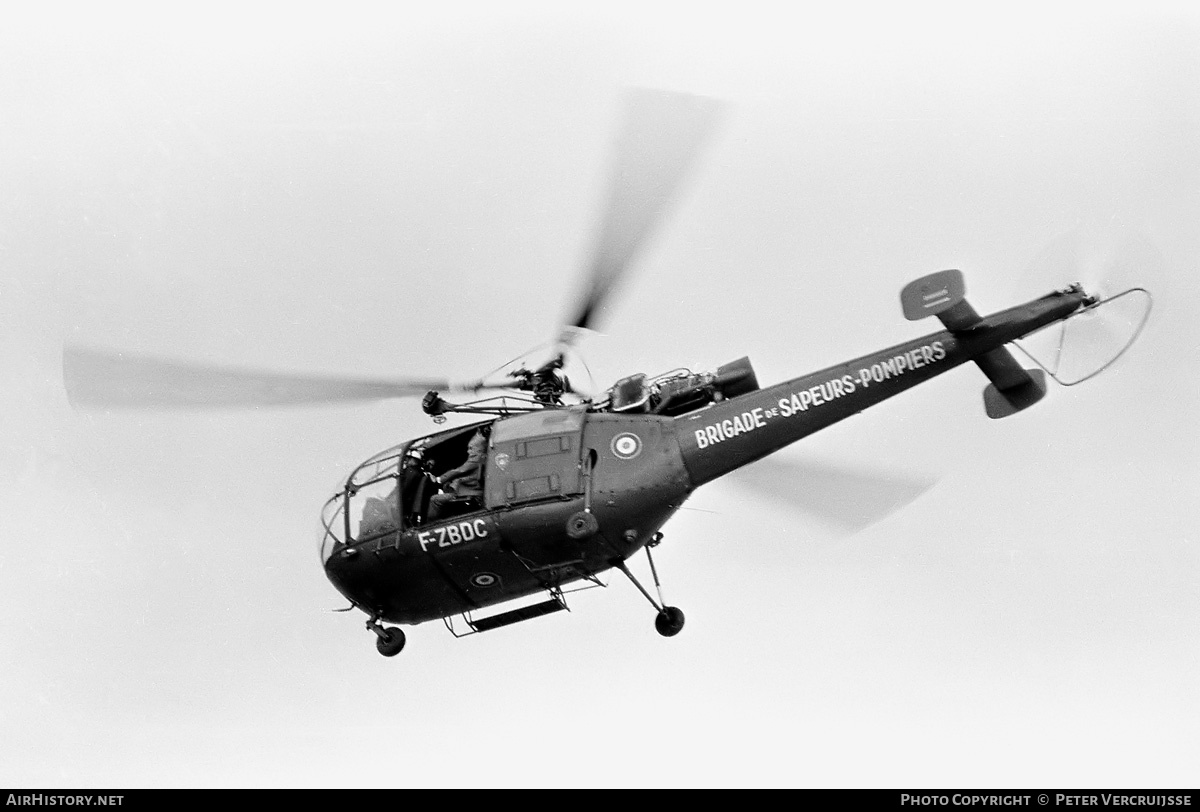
{"x": 1004, "y": 402}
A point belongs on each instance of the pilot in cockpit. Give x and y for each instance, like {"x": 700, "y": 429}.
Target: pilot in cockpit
{"x": 463, "y": 481}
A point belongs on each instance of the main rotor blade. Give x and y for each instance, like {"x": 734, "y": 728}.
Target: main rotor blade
{"x": 845, "y": 499}
{"x": 97, "y": 378}
{"x": 658, "y": 139}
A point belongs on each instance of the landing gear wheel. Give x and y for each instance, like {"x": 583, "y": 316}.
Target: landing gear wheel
{"x": 669, "y": 621}
{"x": 582, "y": 525}
{"x": 390, "y": 642}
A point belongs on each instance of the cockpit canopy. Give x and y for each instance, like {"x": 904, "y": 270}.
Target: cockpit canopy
{"x": 526, "y": 458}
{"x": 391, "y": 491}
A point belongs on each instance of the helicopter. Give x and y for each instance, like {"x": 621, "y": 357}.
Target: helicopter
{"x": 562, "y": 486}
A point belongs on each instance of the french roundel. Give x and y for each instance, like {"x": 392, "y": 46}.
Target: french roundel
{"x": 626, "y": 445}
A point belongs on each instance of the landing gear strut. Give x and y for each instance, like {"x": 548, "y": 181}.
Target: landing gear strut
{"x": 390, "y": 640}
{"x": 669, "y": 621}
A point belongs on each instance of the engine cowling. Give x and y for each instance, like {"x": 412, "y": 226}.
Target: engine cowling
{"x": 682, "y": 391}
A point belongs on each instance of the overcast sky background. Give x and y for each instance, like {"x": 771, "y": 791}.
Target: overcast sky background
{"x": 402, "y": 193}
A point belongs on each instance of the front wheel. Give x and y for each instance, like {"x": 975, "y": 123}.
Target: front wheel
{"x": 390, "y": 643}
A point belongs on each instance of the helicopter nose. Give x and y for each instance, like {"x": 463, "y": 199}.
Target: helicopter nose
{"x": 348, "y": 571}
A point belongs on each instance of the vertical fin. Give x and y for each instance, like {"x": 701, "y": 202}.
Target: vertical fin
{"x": 933, "y": 295}
{"x": 1004, "y": 402}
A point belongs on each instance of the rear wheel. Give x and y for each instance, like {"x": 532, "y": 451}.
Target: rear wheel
{"x": 669, "y": 621}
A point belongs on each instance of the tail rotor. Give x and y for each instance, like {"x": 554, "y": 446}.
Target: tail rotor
{"x": 1112, "y": 267}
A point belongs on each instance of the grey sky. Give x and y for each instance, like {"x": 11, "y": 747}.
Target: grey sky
{"x": 399, "y": 192}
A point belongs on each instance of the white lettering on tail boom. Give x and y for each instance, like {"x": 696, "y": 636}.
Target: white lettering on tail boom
{"x": 899, "y": 364}
{"x": 817, "y": 395}
{"x": 821, "y": 393}
{"x": 730, "y": 427}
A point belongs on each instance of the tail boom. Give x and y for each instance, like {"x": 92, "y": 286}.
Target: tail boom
{"x": 738, "y": 431}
